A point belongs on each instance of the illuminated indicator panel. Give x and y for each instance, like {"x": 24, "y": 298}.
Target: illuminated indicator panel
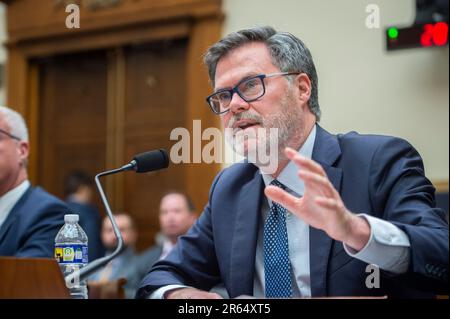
{"x": 419, "y": 36}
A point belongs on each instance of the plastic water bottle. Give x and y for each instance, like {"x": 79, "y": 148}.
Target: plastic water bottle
{"x": 71, "y": 252}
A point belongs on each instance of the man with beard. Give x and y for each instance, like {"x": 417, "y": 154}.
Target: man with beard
{"x": 334, "y": 204}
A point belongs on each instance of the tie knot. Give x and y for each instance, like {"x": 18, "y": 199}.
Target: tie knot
{"x": 278, "y": 184}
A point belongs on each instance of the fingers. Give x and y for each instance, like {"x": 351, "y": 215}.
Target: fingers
{"x": 303, "y": 162}
{"x": 317, "y": 183}
{"x": 312, "y": 173}
{"x": 283, "y": 198}
{"x": 327, "y": 203}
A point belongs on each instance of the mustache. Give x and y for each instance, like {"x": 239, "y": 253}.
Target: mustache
{"x": 245, "y": 116}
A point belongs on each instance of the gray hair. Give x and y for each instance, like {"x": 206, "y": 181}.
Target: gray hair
{"x": 287, "y": 51}
{"x": 15, "y": 122}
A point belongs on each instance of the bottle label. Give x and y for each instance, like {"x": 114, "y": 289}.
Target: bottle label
{"x": 71, "y": 253}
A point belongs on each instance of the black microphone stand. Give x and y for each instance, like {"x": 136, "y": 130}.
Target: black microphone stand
{"x": 144, "y": 162}
{"x": 84, "y": 272}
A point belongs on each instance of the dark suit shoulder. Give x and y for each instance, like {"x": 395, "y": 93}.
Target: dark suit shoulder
{"x": 368, "y": 142}
{"x": 34, "y": 223}
{"x": 366, "y": 146}
{"x": 42, "y": 201}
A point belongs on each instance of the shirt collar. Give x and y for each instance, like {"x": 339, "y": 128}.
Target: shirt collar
{"x": 166, "y": 249}
{"x": 168, "y": 246}
{"x": 288, "y": 176}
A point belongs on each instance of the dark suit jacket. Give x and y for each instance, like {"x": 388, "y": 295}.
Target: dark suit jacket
{"x": 149, "y": 257}
{"x": 377, "y": 175}
{"x": 90, "y": 222}
{"x": 31, "y": 227}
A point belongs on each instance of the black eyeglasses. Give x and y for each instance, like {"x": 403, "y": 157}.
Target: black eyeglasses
{"x": 9, "y": 135}
{"x": 249, "y": 89}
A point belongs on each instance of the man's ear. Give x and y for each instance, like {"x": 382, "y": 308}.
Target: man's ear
{"x": 24, "y": 151}
{"x": 303, "y": 84}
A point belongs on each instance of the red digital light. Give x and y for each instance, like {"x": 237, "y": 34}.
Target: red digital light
{"x": 440, "y": 36}
{"x": 434, "y": 34}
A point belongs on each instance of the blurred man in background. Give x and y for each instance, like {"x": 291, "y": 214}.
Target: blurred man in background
{"x": 124, "y": 265}
{"x": 176, "y": 216}
{"x": 29, "y": 216}
{"x": 79, "y": 192}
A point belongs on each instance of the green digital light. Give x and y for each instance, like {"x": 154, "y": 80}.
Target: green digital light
{"x": 393, "y": 33}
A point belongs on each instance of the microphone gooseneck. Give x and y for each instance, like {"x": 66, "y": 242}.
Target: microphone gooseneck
{"x": 144, "y": 162}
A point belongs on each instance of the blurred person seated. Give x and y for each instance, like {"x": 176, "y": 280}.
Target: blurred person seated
{"x": 124, "y": 265}
{"x": 176, "y": 216}
{"x": 79, "y": 191}
{"x": 30, "y": 217}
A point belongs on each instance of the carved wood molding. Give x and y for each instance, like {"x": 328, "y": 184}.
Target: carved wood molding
{"x": 30, "y": 21}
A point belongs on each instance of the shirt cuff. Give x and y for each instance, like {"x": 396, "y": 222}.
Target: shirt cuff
{"x": 388, "y": 246}
{"x": 159, "y": 293}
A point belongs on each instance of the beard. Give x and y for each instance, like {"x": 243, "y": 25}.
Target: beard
{"x": 265, "y": 146}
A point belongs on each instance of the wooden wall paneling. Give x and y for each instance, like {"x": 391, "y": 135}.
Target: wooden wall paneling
{"x": 17, "y": 79}
{"x": 45, "y": 142}
{"x": 33, "y": 122}
{"x": 115, "y": 126}
{"x": 72, "y": 109}
{"x": 203, "y": 34}
{"x": 155, "y": 104}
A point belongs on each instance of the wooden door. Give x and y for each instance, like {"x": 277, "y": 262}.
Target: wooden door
{"x": 155, "y": 103}
{"x": 99, "y": 109}
{"x": 72, "y": 114}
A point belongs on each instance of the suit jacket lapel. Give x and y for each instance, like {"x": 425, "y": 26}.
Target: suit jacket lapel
{"x": 13, "y": 214}
{"x": 245, "y": 237}
{"x": 326, "y": 151}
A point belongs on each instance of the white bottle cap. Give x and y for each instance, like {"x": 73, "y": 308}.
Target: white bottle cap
{"x": 71, "y": 218}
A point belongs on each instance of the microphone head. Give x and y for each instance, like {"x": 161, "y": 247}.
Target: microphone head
{"x": 151, "y": 161}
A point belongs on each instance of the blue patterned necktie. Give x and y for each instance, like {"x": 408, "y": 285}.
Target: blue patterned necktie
{"x": 277, "y": 267}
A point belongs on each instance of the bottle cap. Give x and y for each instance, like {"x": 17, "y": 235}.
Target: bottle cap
{"x": 71, "y": 218}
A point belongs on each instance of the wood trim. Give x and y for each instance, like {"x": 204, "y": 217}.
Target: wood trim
{"x": 441, "y": 186}
{"x": 202, "y": 35}
{"x": 33, "y": 123}
{"x": 107, "y": 39}
{"x": 110, "y": 123}
{"x": 115, "y": 125}
{"x": 37, "y": 25}
{"x": 120, "y": 127}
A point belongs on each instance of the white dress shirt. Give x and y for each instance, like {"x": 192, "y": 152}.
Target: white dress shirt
{"x": 10, "y": 199}
{"x": 167, "y": 247}
{"x": 387, "y": 246}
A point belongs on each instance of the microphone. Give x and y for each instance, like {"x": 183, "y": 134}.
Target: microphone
{"x": 148, "y": 161}
{"x": 141, "y": 163}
